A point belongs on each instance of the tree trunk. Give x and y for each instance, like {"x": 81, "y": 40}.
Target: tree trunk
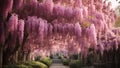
{"x": 20, "y": 55}
{"x": 24, "y": 57}
{"x": 5, "y": 59}
{"x": 28, "y": 56}
{"x": 15, "y": 57}
{"x": 1, "y": 55}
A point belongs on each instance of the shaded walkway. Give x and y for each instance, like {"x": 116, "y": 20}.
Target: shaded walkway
{"x": 57, "y": 63}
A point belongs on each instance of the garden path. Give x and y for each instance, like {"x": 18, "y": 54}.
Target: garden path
{"x": 57, "y": 63}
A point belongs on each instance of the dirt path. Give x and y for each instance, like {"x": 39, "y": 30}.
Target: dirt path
{"x": 57, "y": 63}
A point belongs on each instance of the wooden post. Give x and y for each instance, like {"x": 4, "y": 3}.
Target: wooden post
{"x": 1, "y": 55}
{"x": 116, "y": 61}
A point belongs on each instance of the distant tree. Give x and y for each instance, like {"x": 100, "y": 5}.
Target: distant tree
{"x": 117, "y": 10}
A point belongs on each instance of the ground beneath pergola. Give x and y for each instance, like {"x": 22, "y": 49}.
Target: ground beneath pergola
{"x": 57, "y": 63}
